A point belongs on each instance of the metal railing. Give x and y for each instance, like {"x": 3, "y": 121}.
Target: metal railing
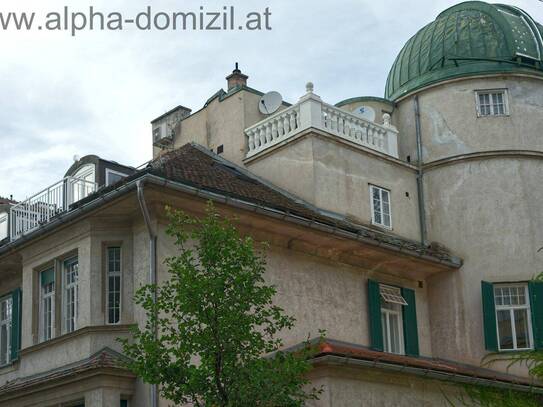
{"x": 40, "y": 208}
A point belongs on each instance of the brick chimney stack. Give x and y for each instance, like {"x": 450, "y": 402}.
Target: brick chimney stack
{"x": 236, "y": 78}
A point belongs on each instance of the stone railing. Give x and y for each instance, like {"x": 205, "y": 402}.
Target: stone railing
{"x": 312, "y": 112}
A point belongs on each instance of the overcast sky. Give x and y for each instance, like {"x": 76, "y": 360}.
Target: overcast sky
{"x": 96, "y": 93}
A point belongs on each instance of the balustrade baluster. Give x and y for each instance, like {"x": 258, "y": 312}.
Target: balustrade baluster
{"x": 292, "y": 123}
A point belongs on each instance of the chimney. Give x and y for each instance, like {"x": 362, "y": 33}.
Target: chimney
{"x": 236, "y": 78}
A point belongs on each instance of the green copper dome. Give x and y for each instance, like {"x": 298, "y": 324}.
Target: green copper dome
{"x": 471, "y": 38}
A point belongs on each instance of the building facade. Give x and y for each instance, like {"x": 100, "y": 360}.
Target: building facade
{"x": 408, "y": 227}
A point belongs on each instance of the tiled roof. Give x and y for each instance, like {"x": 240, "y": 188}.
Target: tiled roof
{"x": 194, "y": 165}
{"x": 104, "y": 359}
{"x": 332, "y": 347}
{"x": 6, "y": 201}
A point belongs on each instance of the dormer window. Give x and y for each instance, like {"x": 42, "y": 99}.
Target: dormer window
{"x": 491, "y": 103}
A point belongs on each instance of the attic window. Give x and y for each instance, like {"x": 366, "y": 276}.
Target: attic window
{"x": 392, "y": 295}
{"x": 220, "y": 149}
{"x": 113, "y": 176}
{"x": 491, "y": 103}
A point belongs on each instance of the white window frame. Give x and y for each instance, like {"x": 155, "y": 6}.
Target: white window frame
{"x": 8, "y": 323}
{"x": 67, "y": 319}
{"x": 110, "y": 171}
{"x": 512, "y": 309}
{"x": 381, "y": 206}
{"x": 491, "y": 93}
{"x": 43, "y": 297}
{"x": 113, "y": 275}
{"x": 4, "y": 231}
{"x": 398, "y": 302}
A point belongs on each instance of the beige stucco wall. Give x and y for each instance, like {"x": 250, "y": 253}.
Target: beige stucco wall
{"x": 336, "y": 176}
{"x": 486, "y": 209}
{"x": 321, "y": 294}
{"x": 450, "y": 126}
{"x": 221, "y": 122}
{"x": 498, "y": 234}
{"x": 369, "y": 387}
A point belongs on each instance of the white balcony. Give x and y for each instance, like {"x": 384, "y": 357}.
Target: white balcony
{"x": 40, "y": 208}
{"x": 312, "y": 112}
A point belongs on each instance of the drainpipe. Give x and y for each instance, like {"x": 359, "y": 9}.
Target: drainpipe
{"x": 420, "y": 185}
{"x": 152, "y": 265}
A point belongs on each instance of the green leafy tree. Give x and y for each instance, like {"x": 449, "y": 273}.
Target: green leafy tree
{"x": 211, "y": 333}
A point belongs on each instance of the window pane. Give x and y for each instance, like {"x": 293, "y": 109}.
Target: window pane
{"x": 386, "y": 220}
{"x": 504, "y": 329}
{"x": 521, "y": 327}
{"x": 394, "y": 333}
{"x": 484, "y": 104}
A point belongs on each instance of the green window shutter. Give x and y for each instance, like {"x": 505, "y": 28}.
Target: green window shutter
{"x": 374, "y": 306}
{"x": 16, "y": 297}
{"x": 47, "y": 276}
{"x": 410, "y": 331}
{"x": 124, "y": 403}
{"x": 489, "y": 317}
{"x": 536, "y": 305}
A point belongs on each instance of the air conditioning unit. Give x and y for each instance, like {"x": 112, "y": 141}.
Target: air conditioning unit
{"x": 162, "y": 134}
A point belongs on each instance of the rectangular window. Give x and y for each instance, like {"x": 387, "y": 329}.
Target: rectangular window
{"x": 392, "y": 319}
{"x": 71, "y": 294}
{"x": 47, "y": 304}
{"x": 513, "y": 317}
{"x": 492, "y": 103}
{"x": 113, "y": 176}
{"x": 380, "y": 207}
{"x": 5, "y": 329}
{"x": 113, "y": 294}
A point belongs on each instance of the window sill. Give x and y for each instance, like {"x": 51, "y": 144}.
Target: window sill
{"x": 492, "y": 116}
{"x": 81, "y": 331}
{"x": 382, "y": 227}
{"x": 502, "y": 351}
{"x": 9, "y": 367}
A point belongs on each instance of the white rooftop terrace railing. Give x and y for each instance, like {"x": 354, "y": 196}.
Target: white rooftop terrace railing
{"x": 312, "y": 112}
{"x": 39, "y": 209}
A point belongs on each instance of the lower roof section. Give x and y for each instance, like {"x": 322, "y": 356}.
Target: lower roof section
{"x": 333, "y": 352}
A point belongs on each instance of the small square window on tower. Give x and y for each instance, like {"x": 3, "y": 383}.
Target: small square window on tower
{"x": 220, "y": 149}
{"x": 492, "y": 103}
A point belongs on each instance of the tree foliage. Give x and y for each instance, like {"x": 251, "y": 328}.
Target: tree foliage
{"x": 484, "y": 396}
{"x": 211, "y": 336}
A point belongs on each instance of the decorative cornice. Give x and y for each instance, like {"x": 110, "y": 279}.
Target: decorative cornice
{"x": 486, "y": 155}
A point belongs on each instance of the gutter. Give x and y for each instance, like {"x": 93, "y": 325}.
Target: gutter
{"x": 278, "y": 214}
{"x": 420, "y": 185}
{"x": 152, "y": 265}
{"x": 426, "y": 373}
{"x": 454, "y": 262}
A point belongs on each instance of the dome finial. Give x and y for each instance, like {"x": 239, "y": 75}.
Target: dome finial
{"x": 309, "y": 87}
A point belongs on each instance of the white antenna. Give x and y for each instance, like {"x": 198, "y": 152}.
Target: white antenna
{"x": 270, "y": 102}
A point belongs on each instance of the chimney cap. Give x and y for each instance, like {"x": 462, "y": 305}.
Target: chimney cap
{"x": 236, "y": 73}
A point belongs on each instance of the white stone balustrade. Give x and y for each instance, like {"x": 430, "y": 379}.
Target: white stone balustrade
{"x": 312, "y": 112}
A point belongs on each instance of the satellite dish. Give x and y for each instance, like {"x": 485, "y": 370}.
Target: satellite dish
{"x": 270, "y": 102}
{"x": 366, "y": 112}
